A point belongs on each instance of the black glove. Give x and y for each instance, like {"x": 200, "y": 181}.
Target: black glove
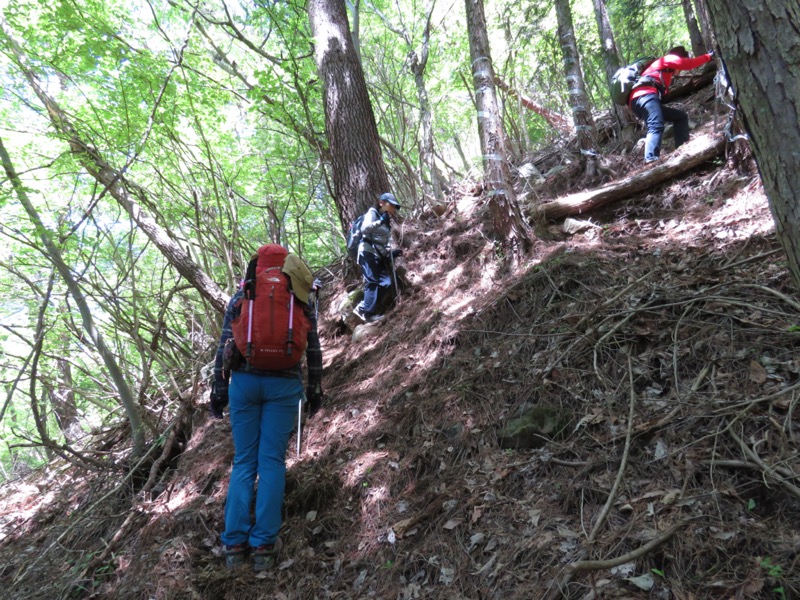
{"x": 313, "y": 399}
{"x": 218, "y": 399}
{"x": 397, "y": 252}
{"x": 711, "y": 53}
{"x": 317, "y": 285}
{"x": 386, "y": 219}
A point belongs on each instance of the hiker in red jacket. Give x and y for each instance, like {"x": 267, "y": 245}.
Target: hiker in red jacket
{"x": 646, "y": 97}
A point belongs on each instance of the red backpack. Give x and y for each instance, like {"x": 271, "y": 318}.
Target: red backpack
{"x": 272, "y": 328}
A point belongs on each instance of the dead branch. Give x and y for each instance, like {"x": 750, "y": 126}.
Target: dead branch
{"x": 766, "y": 469}
{"x": 597, "y": 565}
{"x": 555, "y": 120}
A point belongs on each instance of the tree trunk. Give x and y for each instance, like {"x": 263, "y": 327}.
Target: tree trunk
{"x": 578, "y": 99}
{"x": 706, "y": 30}
{"x": 63, "y": 397}
{"x": 608, "y": 45}
{"x": 698, "y": 47}
{"x": 611, "y": 61}
{"x": 426, "y": 151}
{"x": 359, "y": 175}
{"x": 758, "y": 41}
{"x": 506, "y": 216}
{"x": 355, "y": 33}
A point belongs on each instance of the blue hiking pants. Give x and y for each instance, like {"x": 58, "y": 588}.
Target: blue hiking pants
{"x": 377, "y": 281}
{"x": 263, "y": 414}
{"x": 653, "y": 113}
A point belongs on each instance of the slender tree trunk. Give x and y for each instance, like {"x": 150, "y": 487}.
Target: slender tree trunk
{"x": 506, "y": 216}
{"x": 355, "y": 9}
{"x": 706, "y": 31}
{"x": 63, "y": 397}
{"x": 698, "y": 47}
{"x": 578, "y": 98}
{"x": 611, "y": 61}
{"x": 126, "y": 395}
{"x": 418, "y": 64}
{"x": 359, "y": 175}
{"x": 608, "y": 45}
{"x": 758, "y": 41}
{"x": 125, "y": 192}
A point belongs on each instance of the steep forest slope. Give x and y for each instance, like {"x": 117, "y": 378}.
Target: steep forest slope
{"x": 661, "y": 338}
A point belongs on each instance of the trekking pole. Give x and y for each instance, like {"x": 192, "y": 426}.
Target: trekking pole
{"x": 316, "y": 288}
{"x": 394, "y": 278}
{"x": 300, "y": 423}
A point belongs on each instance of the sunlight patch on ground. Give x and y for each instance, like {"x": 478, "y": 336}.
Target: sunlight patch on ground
{"x": 21, "y": 505}
{"x": 178, "y": 499}
{"x": 737, "y": 218}
{"x": 358, "y": 475}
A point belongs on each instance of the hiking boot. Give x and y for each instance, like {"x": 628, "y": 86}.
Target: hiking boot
{"x": 372, "y": 318}
{"x": 234, "y": 555}
{"x": 266, "y": 557}
{"x": 360, "y": 313}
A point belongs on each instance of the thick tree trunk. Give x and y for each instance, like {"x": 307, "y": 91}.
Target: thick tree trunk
{"x": 578, "y": 98}
{"x": 698, "y": 47}
{"x": 758, "y": 40}
{"x": 506, "y": 216}
{"x": 688, "y": 156}
{"x": 359, "y": 175}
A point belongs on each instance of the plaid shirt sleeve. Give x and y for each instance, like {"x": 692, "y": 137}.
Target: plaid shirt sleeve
{"x": 314, "y": 355}
{"x": 220, "y": 376}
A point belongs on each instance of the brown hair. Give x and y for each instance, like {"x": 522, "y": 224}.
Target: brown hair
{"x": 679, "y": 51}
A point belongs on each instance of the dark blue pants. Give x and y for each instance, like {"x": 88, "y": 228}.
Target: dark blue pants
{"x": 377, "y": 280}
{"x": 649, "y": 109}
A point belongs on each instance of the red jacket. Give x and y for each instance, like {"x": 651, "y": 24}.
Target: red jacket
{"x": 663, "y": 68}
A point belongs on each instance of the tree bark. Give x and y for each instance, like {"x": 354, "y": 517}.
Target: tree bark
{"x": 709, "y": 41}
{"x": 359, "y": 175}
{"x": 698, "y": 47}
{"x": 418, "y": 62}
{"x": 688, "y": 156}
{"x": 611, "y": 61}
{"x": 506, "y": 216}
{"x": 758, "y": 41}
{"x": 578, "y": 98}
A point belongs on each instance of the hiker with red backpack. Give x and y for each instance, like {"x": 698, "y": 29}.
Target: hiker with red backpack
{"x": 374, "y": 254}
{"x": 267, "y": 329}
{"x": 645, "y": 99}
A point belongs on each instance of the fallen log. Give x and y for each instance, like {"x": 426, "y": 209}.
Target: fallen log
{"x": 695, "y": 152}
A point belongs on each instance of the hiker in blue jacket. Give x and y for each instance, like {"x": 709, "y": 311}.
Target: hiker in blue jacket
{"x": 374, "y": 254}
{"x": 263, "y": 413}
